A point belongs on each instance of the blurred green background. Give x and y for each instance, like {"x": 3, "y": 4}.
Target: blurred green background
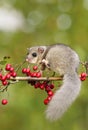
{"x": 25, "y": 23}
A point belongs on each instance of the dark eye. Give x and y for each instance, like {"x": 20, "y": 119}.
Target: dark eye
{"x": 34, "y": 54}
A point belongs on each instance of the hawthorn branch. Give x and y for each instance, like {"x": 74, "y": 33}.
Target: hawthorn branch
{"x": 19, "y": 78}
{"x": 36, "y": 79}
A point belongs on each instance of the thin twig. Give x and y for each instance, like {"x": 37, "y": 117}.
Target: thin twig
{"x": 20, "y": 65}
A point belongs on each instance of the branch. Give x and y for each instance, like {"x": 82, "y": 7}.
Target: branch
{"x": 36, "y": 79}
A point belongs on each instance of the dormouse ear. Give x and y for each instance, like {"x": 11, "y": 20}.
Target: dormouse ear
{"x": 28, "y": 49}
{"x": 41, "y": 49}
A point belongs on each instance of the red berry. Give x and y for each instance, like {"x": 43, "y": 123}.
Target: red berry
{"x": 13, "y": 74}
{"x": 8, "y": 66}
{"x": 51, "y": 86}
{"x": 35, "y": 68}
{"x": 37, "y": 85}
{"x": 46, "y": 101}
{"x": 83, "y": 76}
{"x": 27, "y": 70}
{"x": 24, "y": 70}
{"x": 42, "y": 86}
{"x": 11, "y": 69}
{"x": 4, "y": 83}
{"x": 49, "y": 98}
{"x": 34, "y": 74}
{"x": 4, "y": 101}
{"x": 47, "y": 88}
{"x": 50, "y": 93}
{"x": 8, "y": 76}
{"x": 38, "y": 75}
{"x": 3, "y": 78}
{"x": 28, "y": 74}
{"x": 45, "y": 84}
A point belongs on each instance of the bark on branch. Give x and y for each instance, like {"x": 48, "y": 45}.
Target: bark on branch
{"x": 36, "y": 79}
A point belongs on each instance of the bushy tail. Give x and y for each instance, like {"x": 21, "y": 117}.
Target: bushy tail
{"x": 64, "y": 97}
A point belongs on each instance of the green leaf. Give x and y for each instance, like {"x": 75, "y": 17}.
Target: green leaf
{"x": 3, "y": 62}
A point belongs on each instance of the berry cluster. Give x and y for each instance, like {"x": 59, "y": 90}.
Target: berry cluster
{"x": 10, "y": 72}
{"x": 83, "y": 76}
{"x": 38, "y": 84}
{"x": 48, "y": 89}
{"x": 47, "y": 86}
{"x": 4, "y": 78}
{"x": 28, "y": 72}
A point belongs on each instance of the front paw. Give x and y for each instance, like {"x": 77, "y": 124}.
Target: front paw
{"x": 46, "y": 63}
